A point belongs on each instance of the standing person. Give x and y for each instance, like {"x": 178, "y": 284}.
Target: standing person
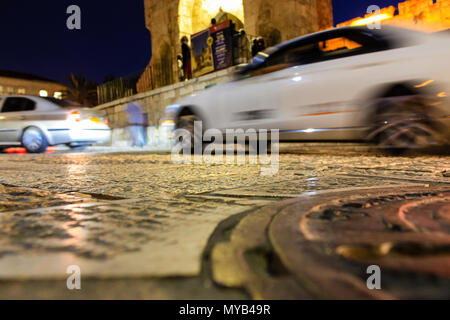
{"x": 186, "y": 53}
{"x": 135, "y": 121}
{"x": 144, "y": 128}
{"x": 180, "y": 68}
{"x": 236, "y": 48}
{"x": 255, "y": 48}
{"x": 243, "y": 47}
{"x": 261, "y": 45}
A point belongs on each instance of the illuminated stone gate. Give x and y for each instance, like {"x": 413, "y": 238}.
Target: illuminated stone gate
{"x": 275, "y": 21}
{"x": 425, "y": 15}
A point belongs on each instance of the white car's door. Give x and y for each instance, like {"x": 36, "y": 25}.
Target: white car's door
{"x": 308, "y": 85}
{"x": 249, "y": 103}
{"x": 320, "y": 94}
{"x": 12, "y": 116}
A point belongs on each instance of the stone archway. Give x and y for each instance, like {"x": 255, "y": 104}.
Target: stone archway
{"x": 196, "y": 15}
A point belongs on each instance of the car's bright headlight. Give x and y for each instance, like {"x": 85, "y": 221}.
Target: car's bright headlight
{"x": 172, "y": 108}
{"x": 168, "y": 123}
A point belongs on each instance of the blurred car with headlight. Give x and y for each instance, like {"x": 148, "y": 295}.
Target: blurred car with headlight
{"x": 389, "y": 86}
{"x": 37, "y": 122}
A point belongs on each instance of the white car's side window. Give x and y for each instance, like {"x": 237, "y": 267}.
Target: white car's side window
{"x": 338, "y": 46}
{"x": 318, "y": 49}
{"x": 16, "y": 104}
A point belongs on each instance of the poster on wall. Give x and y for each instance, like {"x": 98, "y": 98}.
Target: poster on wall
{"x": 222, "y": 45}
{"x": 202, "y": 60}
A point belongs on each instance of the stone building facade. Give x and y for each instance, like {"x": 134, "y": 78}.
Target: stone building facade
{"x": 23, "y": 83}
{"x": 275, "y": 21}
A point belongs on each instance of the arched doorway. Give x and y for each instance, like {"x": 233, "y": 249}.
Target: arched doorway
{"x": 223, "y": 16}
{"x": 196, "y": 15}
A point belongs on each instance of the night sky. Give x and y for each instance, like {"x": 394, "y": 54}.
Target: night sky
{"x": 113, "y": 39}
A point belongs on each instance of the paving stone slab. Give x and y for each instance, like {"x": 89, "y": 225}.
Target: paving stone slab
{"x": 18, "y": 198}
{"x": 126, "y": 238}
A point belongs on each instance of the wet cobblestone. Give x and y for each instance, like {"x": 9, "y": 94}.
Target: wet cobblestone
{"x": 137, "y": 176}
{"x": 119, "y": 215}
{"x": 15, "y": 198}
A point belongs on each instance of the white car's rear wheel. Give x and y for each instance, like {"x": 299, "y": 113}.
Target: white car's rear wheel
{"x": 402, "y": 123}
{"x": 34, "y": 141}
{"x": 189, "y": 134}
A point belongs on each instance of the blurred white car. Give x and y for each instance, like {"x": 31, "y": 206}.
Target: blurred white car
{"x": 36, "y": 123}
{"x": 388, "y": 86}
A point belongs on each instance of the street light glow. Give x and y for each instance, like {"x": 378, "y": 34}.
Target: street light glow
{"x": 424, "y": 84}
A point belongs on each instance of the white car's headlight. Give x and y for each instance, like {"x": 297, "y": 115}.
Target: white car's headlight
{"x": 173, "y": 108}
{"x": 168, "y": 123}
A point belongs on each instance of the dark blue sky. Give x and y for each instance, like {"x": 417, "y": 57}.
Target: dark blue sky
{"x": 113, "y": 38}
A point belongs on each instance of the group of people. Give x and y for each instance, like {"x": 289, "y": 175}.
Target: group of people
{"x": 241, "y": 51}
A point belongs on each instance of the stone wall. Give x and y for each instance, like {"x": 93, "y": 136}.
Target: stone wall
{"x": 279, "y": 21}
{"x": 325, "y": 14}
{"x": 154, "y": 103}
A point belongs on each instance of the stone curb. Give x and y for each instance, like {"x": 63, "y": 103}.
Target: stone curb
{"x": 248, "y": 242}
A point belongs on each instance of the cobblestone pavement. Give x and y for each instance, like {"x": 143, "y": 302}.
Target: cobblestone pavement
{"x": 139, "y": 216}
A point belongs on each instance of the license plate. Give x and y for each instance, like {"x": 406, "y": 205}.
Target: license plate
{"x": 96, "y": 120}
